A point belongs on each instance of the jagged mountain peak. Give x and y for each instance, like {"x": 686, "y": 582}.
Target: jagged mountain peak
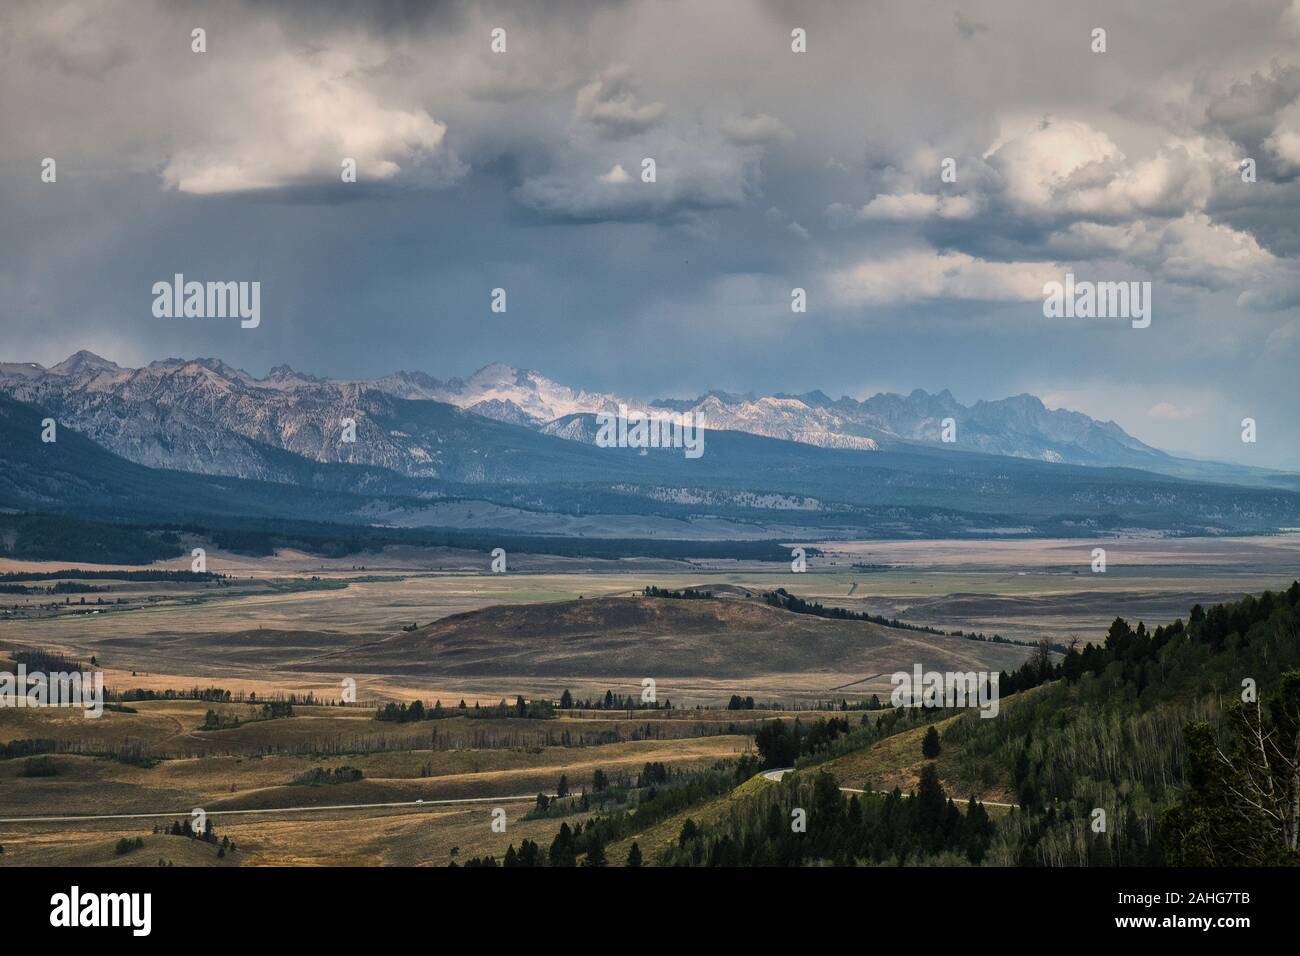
{"x": 192, "y": 364}
{"x": 920, "y": 396}
{"x": 285, "y": 376}
{"x": 82, "y": 361}
{"x": 504, "y": 392}
{"x": 1022, "y": 400}
{"x": 814, "y": 399}
{"x": 500, "y": 372}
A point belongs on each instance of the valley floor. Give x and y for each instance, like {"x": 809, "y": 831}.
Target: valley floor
{"x": 289, "y": 625}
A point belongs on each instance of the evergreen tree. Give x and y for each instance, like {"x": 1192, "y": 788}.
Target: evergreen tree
{"x": 530, "y": 854}
{"x": 595, "y": 852}
{"x": 634, "y": 855}
{"x": 562, "y": 848}
{"x": 930, "y": 744}
{"x": 931, "y": 810}
{"x": 977, "y": 831}
{"x": 1241, "y": 806}
{"x": 689, "y": 832}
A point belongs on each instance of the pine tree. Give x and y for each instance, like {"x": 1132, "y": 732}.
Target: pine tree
{"x": 977, "y": 831}
{"x": 930, "y": 744}
{"x": 562, "y": 852}
{"x": 689, "y": 832}
{"x": 931, "y": 809}
{"x": 529, "y": 854}
{"x": 634, "y": 855}
{"x": 595, "y": 853}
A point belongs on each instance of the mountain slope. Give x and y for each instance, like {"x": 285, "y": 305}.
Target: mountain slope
{"x": 74, "y": 475}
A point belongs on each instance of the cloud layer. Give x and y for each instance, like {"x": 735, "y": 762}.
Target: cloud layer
{"x": 921, "y": 171}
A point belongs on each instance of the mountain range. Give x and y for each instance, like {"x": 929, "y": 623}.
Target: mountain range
{"x": 511, "y": 449}
{"x": 202, "y": 415}
{"x": 1020, "y": 426}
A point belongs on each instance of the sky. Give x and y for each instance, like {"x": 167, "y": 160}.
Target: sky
{"x": 522, "y": 169}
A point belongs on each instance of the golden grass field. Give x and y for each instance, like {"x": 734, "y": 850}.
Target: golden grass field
{"x": 246, "y": 779}
{"x": 273, "y": 631}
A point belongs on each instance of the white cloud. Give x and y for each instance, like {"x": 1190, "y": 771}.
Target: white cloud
{"x": 616, "y": 175}
{"x": 1179, "y": 177}
{"x": 1041, "y": 163}
{"x": 1284, "y": 141}
{"x": 1087, "y": 240}
{"x": 1197, "y": 251}
{"x": 750, "y": 130}
{"x": 913, "y": 207}
{"x": 610, "y": 103}
{"x": 1279, "y": 291}
{"x": 926, "y": 275}
{"x": 295, "y": 136}
{"x": 1167, "y": 411}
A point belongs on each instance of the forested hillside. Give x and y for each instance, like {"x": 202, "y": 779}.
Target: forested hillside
{"x": 1176, "y": 746}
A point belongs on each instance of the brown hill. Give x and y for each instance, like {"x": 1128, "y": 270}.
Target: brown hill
{"x": 712, "y": 638}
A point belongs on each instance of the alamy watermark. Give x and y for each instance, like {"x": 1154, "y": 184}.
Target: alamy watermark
{"x": 658, "y": 429}
{"x": 1085, "y": 299}
{"x": 208, "y": 300}
{"x": 84, "y": 689}
{"x": 75, "y": 908}
{"x": 937, "y": 689}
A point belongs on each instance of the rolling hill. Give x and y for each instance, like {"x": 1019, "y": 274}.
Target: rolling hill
{"x": 635, "y": 637}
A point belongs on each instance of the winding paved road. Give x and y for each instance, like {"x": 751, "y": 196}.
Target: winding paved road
{"x": 773, "y": 775}
{"x": 214, "y": 813}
